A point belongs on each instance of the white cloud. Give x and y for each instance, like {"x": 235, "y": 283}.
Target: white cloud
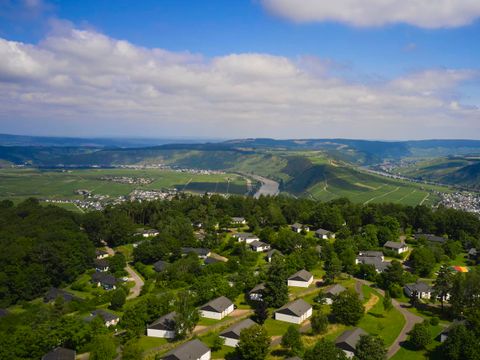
{"x": 85, "y": 83}
{"x": 421, "y": 13}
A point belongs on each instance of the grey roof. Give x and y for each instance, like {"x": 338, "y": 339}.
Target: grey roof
{"x": 335, "y": 289}
{"x": 238, "y": 218}
{"x": 258, "y": 288}
{"x": 60, "y": 353}
{"x": 453, "y": 325}
{"x": 472, "y": 252}
{"x": 323, "y": 232}
{"x": 160, "y": 265}
{"x": 198, "y": 251}
{"x": 165, "y": 322}
{"x": 105, "y": 315}
{"x": 295, "y": 308}
{"x": 54, "y": 293}
{"x": 349, "y": 339}
{"x": 245, "y": 235}
{"x": 211, "y": 260}
{"x": 191, "y": 350}
{"x": 100, "y": 252}
{"x": 370, "y": 253}
{"x": 257, "y": 243}
{"x": 101, "y": 263}
{"x": 394, "y": 244}
{"x": 233, "y": 332}
{"x": 219, "y": 304}
{"x": 104, "y": 279}
{"x": 419, "y": 286}
{"x": 302, "y": 275}
{"x": 431, "y": 237}
{"x": 298, "y": 226}
{"x": 375, "y": 261}
{"x": 274, "y": 251}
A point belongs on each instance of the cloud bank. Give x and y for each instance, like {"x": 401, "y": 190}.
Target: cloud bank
{"x": 84, "y": 83}
{"x": 422, "y": 13}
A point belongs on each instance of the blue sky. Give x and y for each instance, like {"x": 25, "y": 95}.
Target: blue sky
{"x": 391, "y": 54}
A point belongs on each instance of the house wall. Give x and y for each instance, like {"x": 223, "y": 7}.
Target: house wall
{"x": 294, "y": 319}
{"x": 349, "y": 354}
{"x": 255, "y": 297}
{"x": 229, "y": 341}
{"x": 296, "y": 283}
{"x": 161, "y": 333}
{"x": 206, "y": 356}
{"x": 328, "y": 301}
{"x": 112, "y": 322}
{"x": 215, "y": 315}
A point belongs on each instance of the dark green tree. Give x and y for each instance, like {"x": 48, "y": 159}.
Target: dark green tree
{"x": 319, "y": 322}
{"x": 442, "y": 286}
{"x": 254, "y": 343}
{"x": 103, "y": 348}
{"x": 276, "y": 289}
{"x": 325, "y": 350}
{"x": 348, "y": 308}
{"x": 387, "y": 301}
{"x": 420, "y": 335}
{"x": 186, "y": 315}
{"x": 370, "y": 347}
{"x": 292, "y": 341}
{"x": 119, "y": 296}
{"x": 261, "y": 312}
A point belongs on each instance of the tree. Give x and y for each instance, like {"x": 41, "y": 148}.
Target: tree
{"x": 119, "y": 297}
{"x": 132, "y": 351}
{"x": 348, "y": 308}
{"x": 370, "y": 347}
{"x": 325, "y": 350}
{"x": 333, "y": 268}
{"x": 261, "y": 312}
{"x": 461, "y": 344}
{"x": 423, "y": 261}
{"x": 319, "y": 322}
{"x": 217, "y": 343}
{"x": 387, "y": 301}
{"x": 393, "y": 275}
{"x": 254, "y": 343}
{"x": 292, "y": 341}
{"x": 186, "y": 315}
{"x": 103, "y": 348}
{"x": 420, "y": 336}
{"x": 276, "y": 288}
{"x": 442, "y": 286}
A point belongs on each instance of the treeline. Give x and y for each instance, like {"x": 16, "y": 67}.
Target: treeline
{"x": 40, "y": 247}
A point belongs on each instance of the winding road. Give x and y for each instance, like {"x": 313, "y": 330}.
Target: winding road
{"x": 410, "y": 319}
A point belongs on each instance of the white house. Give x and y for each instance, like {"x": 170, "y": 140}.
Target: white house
{"x": 217, "y": 308}
{"x": 163, "y": 327}
{"x": 192, "y": 350}
{"x": 259, "y": 246}
{"x": 108, "y": 318}
{"x": 348, "y": 341}
{"x": 273, "y": 252}
{"x": 231, "y": 336}
{"x": 238, "y": 220}
{"x": 324, "y": 234}
{"x": 298, "y": 228}
{"x": 301, "y": 278}
{"x": 101, "y": 254}
{"x": 396, "y": 246}
{"x": 256, "y": 294}
{"x": 148, "y": 233}
{"x": 333, "y": 291}
{"x": 422, "y": 290}
{"x": 295, "y": 312}
{"x": 247, "y": 238}
{"x": 202, "y": 253}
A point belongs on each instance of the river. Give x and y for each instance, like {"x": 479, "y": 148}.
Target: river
{"x": 269, "y": 186}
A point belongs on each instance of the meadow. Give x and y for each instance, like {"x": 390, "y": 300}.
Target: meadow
{"x": 18, "y": 184}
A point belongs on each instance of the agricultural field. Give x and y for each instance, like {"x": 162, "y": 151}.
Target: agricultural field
{"x": 18, "y": 184}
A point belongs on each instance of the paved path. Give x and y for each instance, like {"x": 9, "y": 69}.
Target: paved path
{"x": 410, "y": 320}
{"x": 135, "y": 291}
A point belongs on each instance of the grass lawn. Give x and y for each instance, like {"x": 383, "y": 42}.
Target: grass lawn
{"x": 147, "y": 342}
{"x": 240, "y": 302}
{"x": 276, "y": 327}
{"x": 406, "y": 353}
{"x": 126, "y": 250}
{"x": 220, "y": 354}
{"x": 209, "y": 322}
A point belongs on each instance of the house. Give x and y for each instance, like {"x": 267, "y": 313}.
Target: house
{"x": 324, "y": 234}
{"x": 472, "y": 254}
{"x": 202, "y": 253}
{"x": 238, "y": 220}
{"x": 301, "y": 278}
{"x": 377, "y": 262}
{"x": 374, "y": 254}
{"x": 101, "y": 254}
{"x": 101, "y": 265}
{"x": 160, "y": 265}
{"x": 259, "y": 246}
{"x": 231, "y": 336}
{"x": 191, "y": 350}
{"x": 431, "y": 238}
{"x": 247, "y": 238}
{"x": 60, "y": 353}
{"x": 107, "y": 281}
{"x": 55, "y": 293}
{"x": 396, "y": 246}
{"x": 109, "y": 319}
{"x": 163, "y": 327}
{"x": 256, "y": 294}
{"x": 421, "y": 289}
{"x": 271, "y": 253}
{"x": 445, "y": 333}
{"x": 298, "y": 228}
{"x": 217, "y": 308}
{"x": 211, "y": 260}
{"x": 331, "y": 292}
{"x": 295, "y": 312}
{"x": 147, "y": 233}
{"x": 348, "y": 341}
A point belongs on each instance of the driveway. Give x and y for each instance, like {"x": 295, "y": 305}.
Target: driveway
{"x": 135, "y": 291}
{"x": 410, "y": 320}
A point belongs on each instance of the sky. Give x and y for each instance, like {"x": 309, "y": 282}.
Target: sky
{"x": 370, "y": 69}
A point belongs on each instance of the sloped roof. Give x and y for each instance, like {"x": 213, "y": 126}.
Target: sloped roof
{"x": 322, "y": 232}
{"x": 160, "y": 265}
{"x": 105, "y": 315}
{"x": 53, "y": 293}
{"x": 257, "y": 243}
{"x": 165, "y": 322}
{"x": 295, "y": 308}
{"x": 419, "y": 286}
{"x": 302, "y": 275}
{"x": 103, "y": 278}
{"x": 101, "y": 263}
{"x": 60, "y": 353}
{"x": 257, "y": 288}
{"x": 188, "y": 351}
{"x": 233, "y": 332}
{"x": 394, "y": 244}
{"x": 273, "y": 252}
{"x": 198, "y": 251}
{"x": 349, "y": 339}
{"x": 219, "y": 304}
{"x": 335, "y": 289}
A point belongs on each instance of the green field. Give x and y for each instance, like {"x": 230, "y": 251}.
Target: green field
{"x": 18, "y": 184}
